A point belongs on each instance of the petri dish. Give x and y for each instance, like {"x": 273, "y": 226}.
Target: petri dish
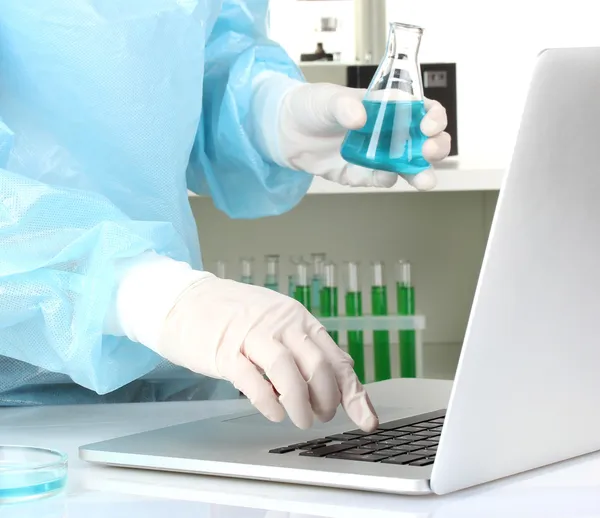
{"x": 28, "y": 473}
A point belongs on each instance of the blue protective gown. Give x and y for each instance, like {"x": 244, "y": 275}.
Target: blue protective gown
{"x": 110, "y": 110}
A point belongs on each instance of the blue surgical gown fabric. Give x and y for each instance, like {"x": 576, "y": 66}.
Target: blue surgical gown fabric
{"x": 110, "y": 111}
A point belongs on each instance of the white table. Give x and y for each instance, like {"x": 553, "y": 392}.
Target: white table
{"x": 570, "y": 489}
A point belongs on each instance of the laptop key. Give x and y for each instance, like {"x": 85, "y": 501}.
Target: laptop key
{"x": 393, "y": 425}
{"x": 375, "y": 437}
{"x": 392, "y": 433}
{"x": 422, "y": 462}
{"x": 425, "y": 443}
{"x": 361, "y": 441}
{"x": 427, "y": 425}
{"x": 372, "y": 457}
{"x": 285, "y": 449}
{"x": 427, "y": 452}
{"x": 394, "y": 442}
{"x": 407, "y": 448}
{"x": 402, "y": 459}
{"x": 410, "y": 438}
{"x": 375, "y": 446}
{"x": 428, "y": 433}
{"x": 358, "y": 433}
{"x": 312, "y": 445}
{"x": 358, "y": 451}
{"x": 326, "y": 450}
{"x": 409, "y": 429}
{"x": 341, "y": 437}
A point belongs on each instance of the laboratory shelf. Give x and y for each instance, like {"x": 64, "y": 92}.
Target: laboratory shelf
{"x": 402, "y": 341}
{"x": 372, "y": 322}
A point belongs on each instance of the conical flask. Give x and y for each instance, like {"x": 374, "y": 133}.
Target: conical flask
{"x": 391, "y": 140}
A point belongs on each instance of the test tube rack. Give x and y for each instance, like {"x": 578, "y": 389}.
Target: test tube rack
{"x": 392, "y": 323}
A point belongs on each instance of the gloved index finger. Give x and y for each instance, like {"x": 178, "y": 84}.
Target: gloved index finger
{"x": 355, "y": 399}
{"x": 345, "y": 105}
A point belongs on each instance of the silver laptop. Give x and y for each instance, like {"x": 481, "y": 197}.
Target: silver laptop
{"x": 527, "y": 389}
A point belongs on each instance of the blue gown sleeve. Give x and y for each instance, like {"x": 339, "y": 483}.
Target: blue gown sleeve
{"x": 58, "y": 248}
{"x": 225, "y": 163}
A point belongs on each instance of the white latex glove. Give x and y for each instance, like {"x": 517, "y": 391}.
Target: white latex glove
{"x": 236, "y": 332}
{"x": 314, "y": 119}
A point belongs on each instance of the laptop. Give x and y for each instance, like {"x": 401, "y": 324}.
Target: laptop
{"x": 527, "y": 389}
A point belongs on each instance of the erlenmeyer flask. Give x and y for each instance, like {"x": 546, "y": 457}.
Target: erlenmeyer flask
{"x": 391, "y": 139}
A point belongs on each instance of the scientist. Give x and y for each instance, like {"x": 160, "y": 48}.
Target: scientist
{"x": 110, "y": 111}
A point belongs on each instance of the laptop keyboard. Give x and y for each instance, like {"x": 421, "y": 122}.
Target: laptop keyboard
{"x": 412, "y": 441}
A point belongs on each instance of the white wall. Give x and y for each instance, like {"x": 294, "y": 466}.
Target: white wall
{"x": 495, "y": 45}
{"x": 300, "y": 36}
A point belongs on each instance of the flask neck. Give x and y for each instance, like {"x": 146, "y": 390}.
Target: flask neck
{"x": 404, "y": 42}
{"x": 399, "y": 76}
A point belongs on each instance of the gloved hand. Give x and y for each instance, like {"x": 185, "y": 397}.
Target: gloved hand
{"x": 314, "y": 119}
{"x": 233, "y": 331}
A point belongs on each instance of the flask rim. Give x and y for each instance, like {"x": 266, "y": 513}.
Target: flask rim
{"x": 406, "y": 26}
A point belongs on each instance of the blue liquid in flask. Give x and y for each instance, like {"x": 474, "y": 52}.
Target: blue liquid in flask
{"x": 391, "y": 139}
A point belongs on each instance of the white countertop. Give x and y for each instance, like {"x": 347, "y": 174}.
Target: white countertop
{"x": 570, "y": 489}
{"x": 453, "y": 174}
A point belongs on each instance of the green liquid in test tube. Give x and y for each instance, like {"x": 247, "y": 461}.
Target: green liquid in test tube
{"x": 405, "y": 295}
{"x": 329, "y": 296}
{"x": 353, "y": 300}
{"x": 247, "y": 267}
{"x": 302, "y": 284}
{"x": 291, "y": 286}
{"x": 272, "y": 276}
{"x": 318, "y": 264}
{"x": 381, "y": 339}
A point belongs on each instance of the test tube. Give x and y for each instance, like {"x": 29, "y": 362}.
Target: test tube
{"x": 247, "y": 266}
{"x": 292, "y": 278}
{"x": 405, "y": 297}
{"x": 272, "y": 276}
{"x": 353, "y": 300}
{"x": 318, "y": 263}
{"x": 221, "y": 269}
{"x": 381, "y": 339}
{"x": 302, "y": 284}
{"x": 329, "y": 295}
